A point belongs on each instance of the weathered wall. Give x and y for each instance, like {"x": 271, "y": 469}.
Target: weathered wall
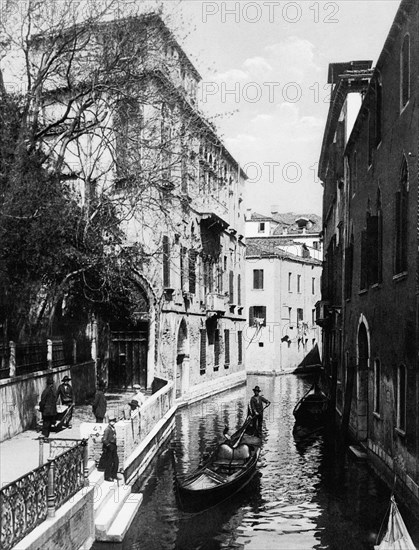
{"x": 20, "y": 395}
{"x": 71, "y": 528}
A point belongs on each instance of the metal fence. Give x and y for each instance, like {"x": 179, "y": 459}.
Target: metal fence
{"x": 28, "y": 501}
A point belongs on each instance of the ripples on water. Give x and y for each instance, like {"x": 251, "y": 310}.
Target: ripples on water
{"x": 305, "y": 495}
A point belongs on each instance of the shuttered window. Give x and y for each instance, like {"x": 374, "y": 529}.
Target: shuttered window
{"x": 203, "y": 352}
{"x": 258, "y": 279}
{"x": 226, "y": 348}
{"x": 166, "y": 262}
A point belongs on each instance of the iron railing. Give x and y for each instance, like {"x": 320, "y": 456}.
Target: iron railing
{"x": 28, "y": 501}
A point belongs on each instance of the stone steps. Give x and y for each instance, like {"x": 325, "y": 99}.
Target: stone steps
{"x": 114, "y": 497}
{"x": 123, "y": 520}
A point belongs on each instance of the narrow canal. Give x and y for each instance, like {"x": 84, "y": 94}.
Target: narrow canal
{"x": 307, "y": 494}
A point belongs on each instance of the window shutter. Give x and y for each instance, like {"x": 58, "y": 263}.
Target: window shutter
{"x": 240, "y": 347}
{"x": 398, "y": 236}
{"x": 203, "y": 352}
{"x": 227, "y": 348}
{"x": 372, "y": 249}
{"x": 364, "y": 259}
{"x": 239, "y": 290}
{"x": 166, "y": 262}
{"x": 231, "y": 287}
{"x": 192, "y": 271}
{"x": 216, "y": 349}
{"x": 251, "y": 316}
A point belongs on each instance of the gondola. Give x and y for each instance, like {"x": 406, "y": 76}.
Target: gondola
{"x": 312, "y": 408}
{"x": 396, "y": 535}
{"x": 228, "y": 469}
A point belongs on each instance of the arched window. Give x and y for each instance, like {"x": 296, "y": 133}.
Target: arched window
{"x": 405, "y": 71}
{"x": 401, "y": 203}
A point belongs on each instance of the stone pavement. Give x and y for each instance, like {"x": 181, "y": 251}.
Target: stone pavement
{"x": 20, "y": 454}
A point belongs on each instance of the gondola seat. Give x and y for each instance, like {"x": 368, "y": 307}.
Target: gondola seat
{"x": 228, "y": 456}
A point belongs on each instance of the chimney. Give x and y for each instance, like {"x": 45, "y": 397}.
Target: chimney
{"x": 248, "y": 214}
{"x": 274, "y": 209}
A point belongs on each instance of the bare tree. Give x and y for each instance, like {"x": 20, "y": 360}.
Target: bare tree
{"x": 103, "y": 136}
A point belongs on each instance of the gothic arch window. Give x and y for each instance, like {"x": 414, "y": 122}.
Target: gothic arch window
{"x": 401, "y": 221}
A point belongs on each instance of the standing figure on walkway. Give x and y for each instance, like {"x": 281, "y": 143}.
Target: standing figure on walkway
{"x": 65, "y": 393}
{"x": 256, "y": 407}
{"x": 99, "y": 404}
{"x": 48, "y": 407}
{"x": 109, "y": 457}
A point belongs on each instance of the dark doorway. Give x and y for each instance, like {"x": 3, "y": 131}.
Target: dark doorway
{"x": 128, "y": 357}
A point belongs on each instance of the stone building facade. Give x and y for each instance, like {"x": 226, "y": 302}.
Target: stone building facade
{"x": 178, "y": 192}
{"x": 369, "y": 308}
{"x": 282, "y": 287}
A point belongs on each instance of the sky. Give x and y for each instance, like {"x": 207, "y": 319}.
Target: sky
{"x": 264, "y": 68}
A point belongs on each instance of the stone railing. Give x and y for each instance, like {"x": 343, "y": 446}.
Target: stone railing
{"x": 130, "y": 433}
{"x": 28, "y": 501}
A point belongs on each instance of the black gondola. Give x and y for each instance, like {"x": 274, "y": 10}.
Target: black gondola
{"x": 312, "y": 408}
{"x": 228, "y": 469}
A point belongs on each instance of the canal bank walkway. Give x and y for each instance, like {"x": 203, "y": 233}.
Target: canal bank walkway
{"x": 20, "y": 454}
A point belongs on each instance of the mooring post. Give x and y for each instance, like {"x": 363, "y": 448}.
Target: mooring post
{"x": 41, "y": 450}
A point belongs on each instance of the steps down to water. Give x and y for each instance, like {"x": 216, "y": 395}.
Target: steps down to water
{"x": 358, "y": 452}
{"x": 114, "y": 507}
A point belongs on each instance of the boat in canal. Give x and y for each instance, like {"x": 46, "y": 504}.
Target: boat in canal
{"x": 312, "y": 408}
{"x": 223, "y": 473}
{"x": 396, "y": 536}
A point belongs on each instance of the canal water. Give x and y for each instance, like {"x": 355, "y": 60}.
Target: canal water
{"x": 307, "y": 494}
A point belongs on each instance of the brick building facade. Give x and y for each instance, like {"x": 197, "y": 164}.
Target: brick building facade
{"x": 369, "y": 308}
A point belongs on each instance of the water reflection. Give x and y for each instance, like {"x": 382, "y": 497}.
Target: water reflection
{"x": 307, "y": 494}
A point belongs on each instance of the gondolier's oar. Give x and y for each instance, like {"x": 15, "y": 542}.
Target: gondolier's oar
{"x": 247, "y": 422}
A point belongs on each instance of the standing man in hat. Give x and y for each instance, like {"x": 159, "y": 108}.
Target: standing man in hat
{"x": 256, "y": 407}
{"x": 110, "y": 454}
{"x": 65, "y": 392}
{"x": 100, "y": 403}
{"x": 48, "y": 407}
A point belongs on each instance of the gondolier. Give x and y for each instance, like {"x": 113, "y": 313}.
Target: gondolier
{"x": 256, "y": 407}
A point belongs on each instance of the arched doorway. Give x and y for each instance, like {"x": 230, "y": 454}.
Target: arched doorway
{"x": 129, "y": 339}
{"x": 182, "y": 360}
{"x": 363, "y": 353}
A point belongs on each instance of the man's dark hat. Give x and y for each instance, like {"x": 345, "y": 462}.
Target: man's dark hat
{"x": 134, "y": 403}
{"x": 66, "y": 379}
{"x": 256, "y": 388}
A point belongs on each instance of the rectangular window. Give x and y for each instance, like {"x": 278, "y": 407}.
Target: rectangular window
{"x": 226, "y": 348}
{"x": 300, "y": 316}
{"x": 258, "y": 279}
{"x": 377, "y": 385}
{"x": 216, "y": 349}
{"x": 240, "y": 347}
{"x": 313, "y": 285}
{"x": 261, "y": 228}
{"x": 203, "y": 352}
{"x": 313, "y": 317}
{"x": 166, "y": 262}
{"x": 363, "y": 280}
{"x": 289, "y": 282}
{"x": 298, "y": 283}
{"x": 257, "y": 316}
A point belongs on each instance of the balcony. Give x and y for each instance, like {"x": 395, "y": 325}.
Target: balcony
{"x": 215, "y": 303}
{"x": 322, "y": 312}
